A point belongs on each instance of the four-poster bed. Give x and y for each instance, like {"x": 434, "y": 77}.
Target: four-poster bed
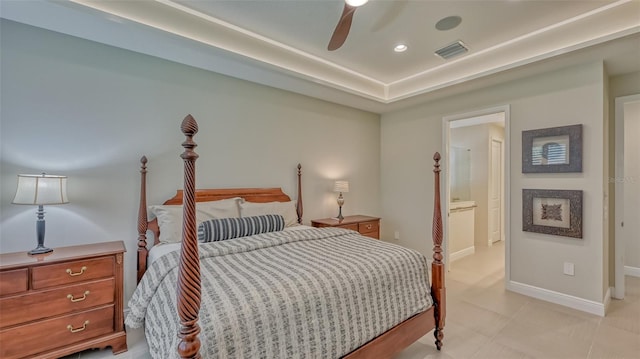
{"x": 375, "y": 300}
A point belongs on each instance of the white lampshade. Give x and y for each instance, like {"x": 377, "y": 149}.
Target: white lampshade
{"x": 356, "y": 3}
{"x": 341, "y": 186}
{"x": 41, "y": 189}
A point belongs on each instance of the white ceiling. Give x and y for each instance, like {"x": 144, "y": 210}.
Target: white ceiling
{"x": 282, "y": 43}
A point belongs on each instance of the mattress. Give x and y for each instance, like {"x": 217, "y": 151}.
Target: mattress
{"x": 306, "y": 293}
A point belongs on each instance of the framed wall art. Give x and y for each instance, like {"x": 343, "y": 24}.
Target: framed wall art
{"x": 556, "y": 212}
{"x": 552, "y": 150}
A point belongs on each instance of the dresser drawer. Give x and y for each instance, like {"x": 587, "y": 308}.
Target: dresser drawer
{"x": 14, "y": 281}
{"x": 368, "y": 227}
{"x": 352, "y": 226}
{"x": 18, "y": 342}
{"x": 44, "y": 304}
{"x": 374, "y": 235}
{"x": 71, "y": 272}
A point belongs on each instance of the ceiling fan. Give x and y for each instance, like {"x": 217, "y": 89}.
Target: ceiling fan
{"x": 344, "y": 24}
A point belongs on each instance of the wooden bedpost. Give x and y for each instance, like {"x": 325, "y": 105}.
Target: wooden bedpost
{"x": 142, "y": 220}
{"x": 189, "y": 278}
{"x": 437, "y": 267}
{"x": 299, "y": 204}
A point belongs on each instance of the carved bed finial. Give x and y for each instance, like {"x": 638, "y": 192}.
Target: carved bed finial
{"x": 189, "y": 286}
{"x": 142, "y": 220}
{"x": 299, "y": 208}
{"x": 189, "y": 126}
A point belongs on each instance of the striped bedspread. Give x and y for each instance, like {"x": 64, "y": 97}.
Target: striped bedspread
{"x": 313, "y": 293}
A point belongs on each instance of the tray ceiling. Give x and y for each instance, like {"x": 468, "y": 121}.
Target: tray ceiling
{"x": 283, "y": 43}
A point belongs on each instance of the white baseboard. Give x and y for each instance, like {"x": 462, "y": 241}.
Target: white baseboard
{"x": 462, "y": 253}
{"x": 566, "y": 300}
{"x": 632, "y": 271}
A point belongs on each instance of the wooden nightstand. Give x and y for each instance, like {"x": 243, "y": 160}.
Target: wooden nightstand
{"x": 367, "y": 226}
{"x": 62, "y": 302}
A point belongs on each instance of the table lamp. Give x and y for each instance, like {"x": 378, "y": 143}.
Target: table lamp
{"x": 40, "y": 190}
{"x": 341, "y": 186}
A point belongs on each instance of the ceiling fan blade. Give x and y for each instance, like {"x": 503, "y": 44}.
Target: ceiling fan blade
{"x": 342, "y": 29}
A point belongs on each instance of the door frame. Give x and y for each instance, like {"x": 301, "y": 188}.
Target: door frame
{"x": 619, "y": 247}
{"x": 446, "y": 126}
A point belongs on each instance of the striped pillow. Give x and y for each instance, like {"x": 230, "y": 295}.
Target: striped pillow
{"x": 221, "y": 229}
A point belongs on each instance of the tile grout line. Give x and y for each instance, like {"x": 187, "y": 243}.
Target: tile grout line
{"x": 511, "y": 319}
{"x": 595, "y": 335}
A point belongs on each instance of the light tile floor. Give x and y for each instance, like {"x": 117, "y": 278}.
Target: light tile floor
{"x": 486, "y": 321}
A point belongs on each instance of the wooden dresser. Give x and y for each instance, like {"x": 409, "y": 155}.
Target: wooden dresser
{"x": 62, "y": 302}
{"x": 367, "y": 226}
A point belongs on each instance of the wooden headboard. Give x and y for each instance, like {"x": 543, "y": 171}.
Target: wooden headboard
{"x": 259, "y": 195}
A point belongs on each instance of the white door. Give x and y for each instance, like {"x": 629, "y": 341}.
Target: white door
{"x": 495, "y": 192}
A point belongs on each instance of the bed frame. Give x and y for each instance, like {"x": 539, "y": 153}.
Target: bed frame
{"x": 384, "y": 346}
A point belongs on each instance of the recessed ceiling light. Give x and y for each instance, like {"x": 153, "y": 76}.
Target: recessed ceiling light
{"x": 400, "y": 48}
{"x": 356, "y": 3}
{"x": 448, "y": 23}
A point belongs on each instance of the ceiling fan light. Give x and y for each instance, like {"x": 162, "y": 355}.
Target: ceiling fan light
{"x": 356, "y": 3}
{"x": 400, "y": 48}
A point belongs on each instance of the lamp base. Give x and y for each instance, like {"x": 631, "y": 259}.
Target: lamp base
{"x": 40, "y": 250}
{"x": 340, "y": 217}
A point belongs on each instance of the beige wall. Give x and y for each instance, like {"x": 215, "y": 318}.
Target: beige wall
{"x": 569, "y": 96}
{"x": 89, "y": 111}
{"x": 623, "y": 85}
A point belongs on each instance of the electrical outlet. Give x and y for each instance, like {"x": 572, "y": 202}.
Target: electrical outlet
{"x": 569, "y": 268}
{"x": 396, "y": 235}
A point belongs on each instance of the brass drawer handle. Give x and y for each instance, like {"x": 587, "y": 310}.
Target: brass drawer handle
{"x": 369, "y": 226}
{"x": 84, "y": 326}
{"x": 73, "y": 300}
{"x": 71, "y": 273}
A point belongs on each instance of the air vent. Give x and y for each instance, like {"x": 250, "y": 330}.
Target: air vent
{"x": 452, "y": 50}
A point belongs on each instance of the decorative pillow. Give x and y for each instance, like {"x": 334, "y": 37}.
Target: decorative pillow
{"x": 222, "y": 229}
{"x": 170, "y": 216}
{"x": 285, "y": 209}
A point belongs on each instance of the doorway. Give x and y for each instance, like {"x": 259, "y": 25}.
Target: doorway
{"x": 476, "y": 191}
{"x": 627, "y": 191}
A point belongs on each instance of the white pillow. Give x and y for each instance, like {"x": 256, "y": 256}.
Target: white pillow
{"x": 285, "y": 209}
{"x": 170, "y": 216}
